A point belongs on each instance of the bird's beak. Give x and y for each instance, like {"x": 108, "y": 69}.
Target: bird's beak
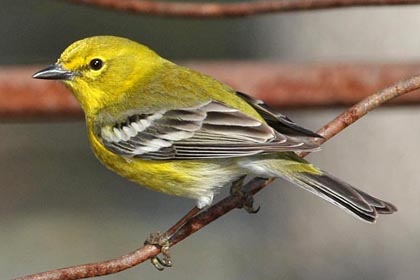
{"x": 54, "y": 72}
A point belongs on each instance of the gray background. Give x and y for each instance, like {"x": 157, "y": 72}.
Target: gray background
{"x": 60, "y": 207}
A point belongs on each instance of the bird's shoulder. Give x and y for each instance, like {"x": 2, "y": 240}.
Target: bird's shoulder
{"x": 172, "y": 86}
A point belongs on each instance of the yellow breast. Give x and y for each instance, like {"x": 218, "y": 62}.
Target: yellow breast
{"x": 187, "y": 178}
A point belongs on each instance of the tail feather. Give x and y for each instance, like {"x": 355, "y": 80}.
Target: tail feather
{"x": 343, "y": 195}
{"x": 382, "y": 207}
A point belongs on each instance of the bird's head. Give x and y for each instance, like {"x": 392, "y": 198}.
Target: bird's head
{"x": 99, "y": 70}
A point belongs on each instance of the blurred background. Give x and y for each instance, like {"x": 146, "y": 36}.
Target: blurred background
{"x": 60, "y": 207}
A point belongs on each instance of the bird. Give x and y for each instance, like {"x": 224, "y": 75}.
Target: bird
{"x": 183, "y": 133}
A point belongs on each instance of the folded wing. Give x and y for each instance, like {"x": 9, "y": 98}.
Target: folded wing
{"x": 211, "y": 130}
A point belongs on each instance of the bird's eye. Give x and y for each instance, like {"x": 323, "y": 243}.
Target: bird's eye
{"x": 96, "y": 64}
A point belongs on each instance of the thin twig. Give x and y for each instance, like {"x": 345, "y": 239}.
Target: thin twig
{"x": 242, "y": 9}
{"x": 226, "y": 205}
{"x": 363, "y": 107}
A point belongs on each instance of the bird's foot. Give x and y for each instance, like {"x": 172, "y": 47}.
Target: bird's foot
{"x": 249, "y": 204}
{"x": 161, "y": 240}
{"x": 248, "y": 199}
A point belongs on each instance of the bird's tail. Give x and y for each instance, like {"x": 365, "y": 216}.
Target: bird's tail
{"x": 322, "y": 184}
{"x": 343, "y": 195}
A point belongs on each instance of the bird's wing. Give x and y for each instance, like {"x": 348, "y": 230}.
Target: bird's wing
{"x": 211, "y": 130}
{"x": 276, "y": 120}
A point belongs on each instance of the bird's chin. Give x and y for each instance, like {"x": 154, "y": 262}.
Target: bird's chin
{"x": 73, "y": 85}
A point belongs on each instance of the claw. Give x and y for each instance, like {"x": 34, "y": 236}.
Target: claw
{"x": 156, "y": 262}
{"x": 161, "y": 240}
{"x": 249, "y": 204}
{"x": 236, "y": 189}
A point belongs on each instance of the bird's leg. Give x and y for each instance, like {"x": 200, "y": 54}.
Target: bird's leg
{"x": 237, "y": 185}
{"x": 173, "y": 229}
{"x": 162, "y": 240}
{"x": 248, "y": 204}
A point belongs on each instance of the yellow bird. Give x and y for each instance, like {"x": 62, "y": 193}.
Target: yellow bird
{"x": 183, "y": 133}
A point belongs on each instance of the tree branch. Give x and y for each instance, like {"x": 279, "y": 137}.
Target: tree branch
{"x": 279, "y": 84}
{"x": 229, "y": 203}
{"x": 242, "y": 9}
